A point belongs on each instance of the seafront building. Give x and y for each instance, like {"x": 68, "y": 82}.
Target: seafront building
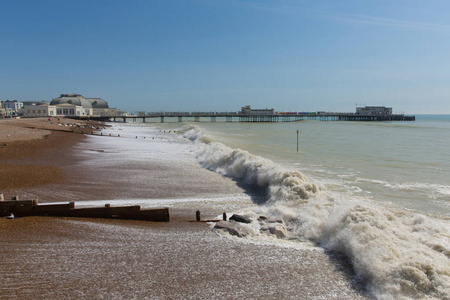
{"x": 2, "y": 110}
{"x": 247, "y": 110}
{"x": 374, "y": 111}
{"x": 70, "y": 105}
{"x": 11, "y": 107}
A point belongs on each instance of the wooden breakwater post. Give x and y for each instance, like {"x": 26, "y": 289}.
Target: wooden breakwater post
{"x": 198, "y": 219}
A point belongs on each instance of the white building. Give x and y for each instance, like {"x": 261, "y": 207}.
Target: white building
{"x": 374, "y": 111}
{"x": 12, "y": 107}
{"x": 2, "y": 111}
{"x": 92, "y": 106}
{"x": 46, "y": 110}
{"x": 70, "y": 105}
{"x": 247, "y": 110}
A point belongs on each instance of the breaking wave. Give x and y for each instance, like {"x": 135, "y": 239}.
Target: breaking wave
{"x": 399, "y": 254}
{"x": 281, "y": 184}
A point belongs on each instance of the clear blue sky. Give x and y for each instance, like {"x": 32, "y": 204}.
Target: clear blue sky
{"x": 216, "y": 55}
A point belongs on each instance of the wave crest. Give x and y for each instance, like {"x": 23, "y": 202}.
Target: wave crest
{"x": 281, "y": 184}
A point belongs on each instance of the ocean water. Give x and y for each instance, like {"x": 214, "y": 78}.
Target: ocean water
{"x": 377, "y": 192}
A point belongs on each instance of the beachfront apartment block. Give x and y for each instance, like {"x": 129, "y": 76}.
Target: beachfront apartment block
{"x": 11, "y": 107}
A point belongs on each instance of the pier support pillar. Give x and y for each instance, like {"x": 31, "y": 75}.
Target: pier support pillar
{"x": 197, "y": 119}
{"x": 180, "y": 119}
{"x": 162, "y": 119}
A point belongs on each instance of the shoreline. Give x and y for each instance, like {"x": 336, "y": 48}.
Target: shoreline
{"x": 47, "y": 257}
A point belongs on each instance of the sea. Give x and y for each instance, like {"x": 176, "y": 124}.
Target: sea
{"x": 378, "y": 193}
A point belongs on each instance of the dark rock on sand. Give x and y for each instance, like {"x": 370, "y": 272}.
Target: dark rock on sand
{"x": 240, "y": 218}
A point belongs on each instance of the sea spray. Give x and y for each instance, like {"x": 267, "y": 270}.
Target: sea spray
{"x": 388, "y": 253}
{"x": 398, "y": 253}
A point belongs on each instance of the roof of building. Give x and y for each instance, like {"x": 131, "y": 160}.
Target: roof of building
{"x": 98, "y": 102}
{"x": 72, "y": 99}
{"x": 79, "y": 100}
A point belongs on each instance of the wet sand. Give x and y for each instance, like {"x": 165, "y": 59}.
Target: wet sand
{"x": 70, "y": 258}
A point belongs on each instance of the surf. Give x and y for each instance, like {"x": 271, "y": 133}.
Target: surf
{"x": 398, "y": 253}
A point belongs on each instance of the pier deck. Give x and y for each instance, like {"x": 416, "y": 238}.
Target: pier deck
{"x": 236, "y": 117}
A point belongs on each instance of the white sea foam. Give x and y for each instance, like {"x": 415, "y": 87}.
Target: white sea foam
{"x": 399, "y": 254}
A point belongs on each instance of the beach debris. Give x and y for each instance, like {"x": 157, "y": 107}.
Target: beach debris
{"x": 233, "y": 228}
{"x": 11, "y": 216}
{"x": 240, "y": 218}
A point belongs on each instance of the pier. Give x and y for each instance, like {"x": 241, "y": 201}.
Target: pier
{"x": 236, "y": 117}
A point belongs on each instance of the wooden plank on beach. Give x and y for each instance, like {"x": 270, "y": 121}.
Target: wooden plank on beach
{"x": 52, "y": 209}
{"x": 123, "y": 212}
{"x": 31, "y": 208}
{"x": 156, "y": 215}
{"x": 103, "y": 212}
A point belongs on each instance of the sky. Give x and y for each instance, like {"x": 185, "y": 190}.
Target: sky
{"x": 219, "y": 55}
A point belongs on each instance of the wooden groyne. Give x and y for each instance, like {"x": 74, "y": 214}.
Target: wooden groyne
{"x": 26, "y": 208}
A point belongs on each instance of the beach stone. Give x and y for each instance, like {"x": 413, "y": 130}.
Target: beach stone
{"x": 233, "y": 228}
{"x": 277, "y": 229}
{"x": 240, "y": 218}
